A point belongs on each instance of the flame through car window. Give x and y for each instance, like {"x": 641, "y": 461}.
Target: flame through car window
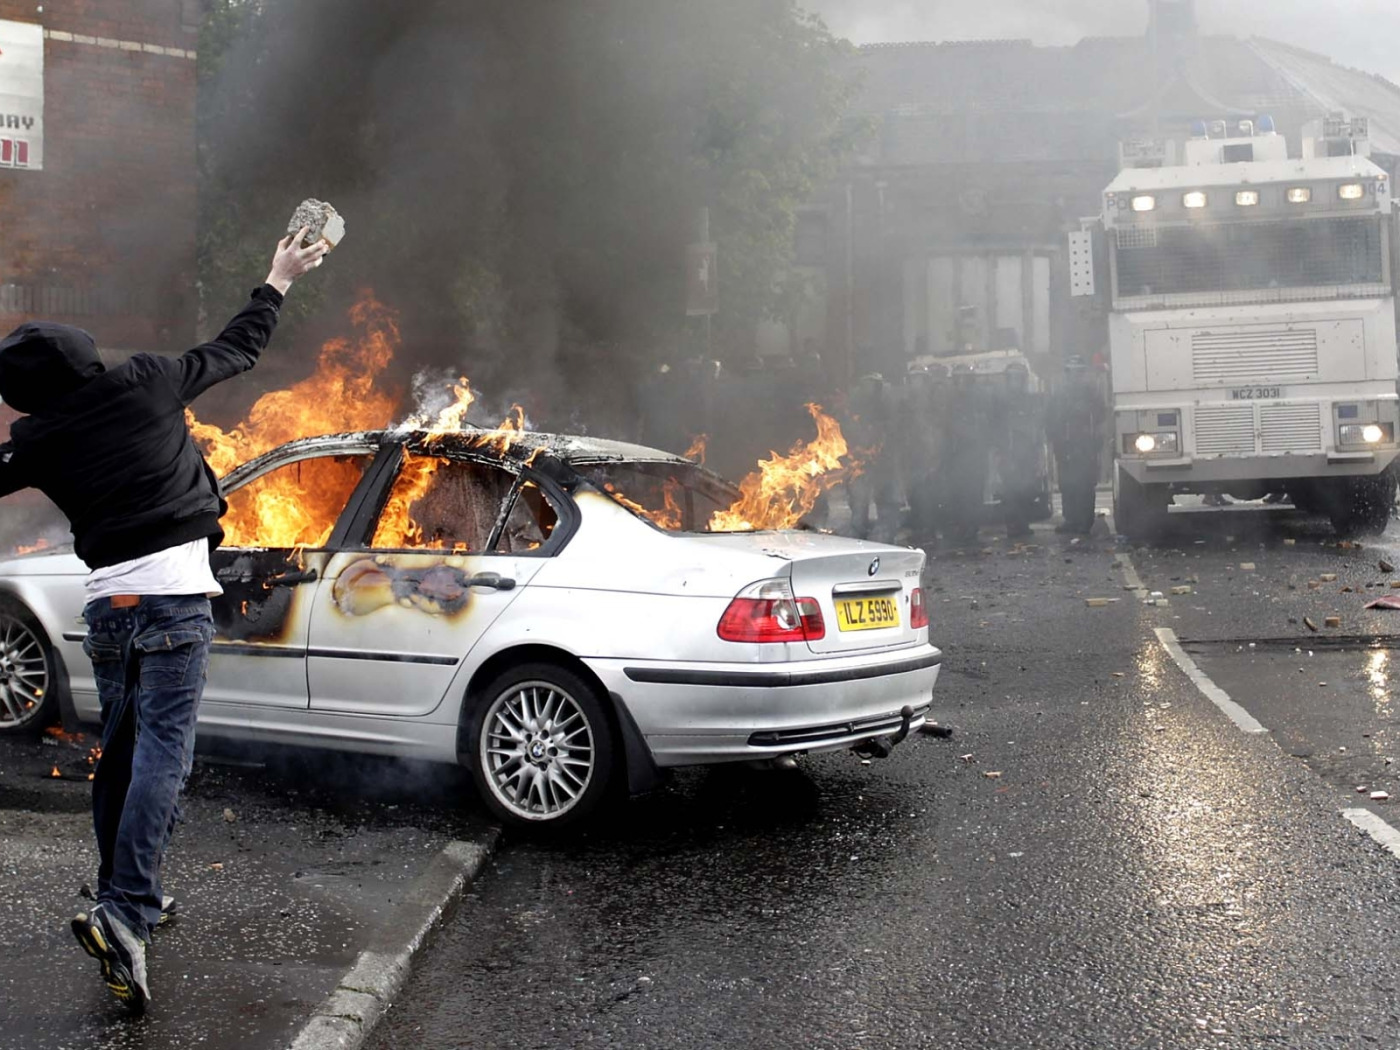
{"x": 676, "y": 497}
{"x": 442, "y": 504}
{"x": 295, "y": 505}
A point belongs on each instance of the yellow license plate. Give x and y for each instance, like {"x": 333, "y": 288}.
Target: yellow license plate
{"x": 866, "y": 614}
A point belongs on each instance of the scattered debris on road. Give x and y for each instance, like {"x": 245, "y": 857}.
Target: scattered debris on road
{"x": 1328, "y": 577}
{"x": 1389, "y": 601}
{"x": 935, "y": 730}
{"x": 1332, "y": 622}
{"x": 1386, "y": 567}
{"x": 1310, "y": 624}
{"x": 1380, "y": 796}
{"x": 992, "y": 775}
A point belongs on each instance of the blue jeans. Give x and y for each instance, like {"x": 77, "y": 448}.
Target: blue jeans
{"x": 150, "y": 662}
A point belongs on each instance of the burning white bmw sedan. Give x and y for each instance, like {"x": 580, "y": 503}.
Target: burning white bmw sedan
{"x": 559, "y": 614}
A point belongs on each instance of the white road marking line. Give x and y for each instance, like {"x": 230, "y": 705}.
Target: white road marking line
{"x": 1212, "y": 692}
{"x": 1383, "y": 833}
{"x": 1378, "y": 829}
{"x": 1130, "y": 576}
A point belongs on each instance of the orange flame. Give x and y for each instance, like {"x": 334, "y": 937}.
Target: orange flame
{"x": 298, "y": 508}
{"x": 59, "y": 733}
{"x": 784, "y": 489}
{"x": 698, "y": 448}
{"x": 450, "y": 420}
{"x": 34, "y": 548}
{"x": 397, "y": 528}
{"x": 55, "y": 773}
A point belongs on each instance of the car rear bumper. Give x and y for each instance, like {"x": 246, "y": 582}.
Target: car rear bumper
{"x": 701, "y": 714}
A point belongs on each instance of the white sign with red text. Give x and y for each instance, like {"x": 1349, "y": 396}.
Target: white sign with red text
{"x": 21, "y": 95}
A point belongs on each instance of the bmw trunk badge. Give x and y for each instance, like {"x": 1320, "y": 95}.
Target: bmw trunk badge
{"x": 874, "y": 566}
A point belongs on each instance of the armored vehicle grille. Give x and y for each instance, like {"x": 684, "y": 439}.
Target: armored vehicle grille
{"x": 1290, "y": 428}
{"x": 1224, "y": 429}
{"x": 1255, "y": 357}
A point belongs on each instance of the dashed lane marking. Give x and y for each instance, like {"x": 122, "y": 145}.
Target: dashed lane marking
{"x": 1212, "y": 692}
{"x": 1384, "y": 834}
{"x": 1130, "y": 576}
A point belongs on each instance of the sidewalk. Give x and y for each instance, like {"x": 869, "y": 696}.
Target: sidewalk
{"x": 285, "y": 872}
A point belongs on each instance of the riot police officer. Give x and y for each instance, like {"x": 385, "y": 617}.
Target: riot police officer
{"x": 964, "y": 463}
{"x": 867, "y": 434}
{"x": 1076, "y": 427}
{"x": 925, "y": 404}
{"x": 1020, "y": 456}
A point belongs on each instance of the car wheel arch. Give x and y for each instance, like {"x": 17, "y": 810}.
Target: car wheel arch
{"x": 640, "y": 771}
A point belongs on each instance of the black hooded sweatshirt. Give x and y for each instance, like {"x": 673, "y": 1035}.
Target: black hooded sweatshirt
{"x": 110, "y": 446}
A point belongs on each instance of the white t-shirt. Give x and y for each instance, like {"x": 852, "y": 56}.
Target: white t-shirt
{"x": 175, "y": 570}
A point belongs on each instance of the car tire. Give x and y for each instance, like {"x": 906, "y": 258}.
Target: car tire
{"x": 29, "y": 672}
{"x": 541, "y": 747}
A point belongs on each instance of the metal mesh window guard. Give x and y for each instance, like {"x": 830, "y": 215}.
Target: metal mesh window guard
{"x": 1317, "y": 253}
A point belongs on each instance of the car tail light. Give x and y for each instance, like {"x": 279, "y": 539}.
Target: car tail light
{"x": 918, "y": 611}
{"x": 767, "y": 612}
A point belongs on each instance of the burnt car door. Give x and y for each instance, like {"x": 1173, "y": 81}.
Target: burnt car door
{"x": 448, "y": 550}
{"x": 277, "y": 530}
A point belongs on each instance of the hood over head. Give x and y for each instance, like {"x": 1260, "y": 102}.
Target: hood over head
{"x": 42, "y": 362}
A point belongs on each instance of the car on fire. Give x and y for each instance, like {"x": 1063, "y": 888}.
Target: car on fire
{"x": 553, "y": 612}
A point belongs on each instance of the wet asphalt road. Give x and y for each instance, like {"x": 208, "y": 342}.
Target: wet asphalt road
{"x": 285, "y": 864}
{"x": 1099, "y": 858}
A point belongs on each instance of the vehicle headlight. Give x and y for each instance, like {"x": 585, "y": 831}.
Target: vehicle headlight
{"x": 1166, "y": 443}
{"x": 1299, "y": 195}
{"x": 1247, "y": 198}
{"x": 1365, "y": 434}
{"x": 1351, "y": 191}
{"x": 1146, "y": 202}
{"x": 1194, "y": 199}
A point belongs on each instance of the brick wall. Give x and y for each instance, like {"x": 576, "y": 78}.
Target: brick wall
{"x": 104, "y": 236}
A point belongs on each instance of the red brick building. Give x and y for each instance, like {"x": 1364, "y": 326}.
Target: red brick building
{"x": 97, "y": 229}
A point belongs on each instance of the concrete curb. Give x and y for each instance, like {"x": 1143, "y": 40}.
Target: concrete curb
{"x": 348, "y": 1015}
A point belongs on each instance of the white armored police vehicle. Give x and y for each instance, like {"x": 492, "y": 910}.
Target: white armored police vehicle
{"x": 1252, "y": 322}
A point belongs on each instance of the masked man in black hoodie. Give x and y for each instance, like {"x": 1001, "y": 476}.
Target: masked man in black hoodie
{"x": 110, "y": 447}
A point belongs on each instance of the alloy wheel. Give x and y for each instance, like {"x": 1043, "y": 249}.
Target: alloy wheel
{"x": 537, "y": 750}
{"x": 24, "y": 674}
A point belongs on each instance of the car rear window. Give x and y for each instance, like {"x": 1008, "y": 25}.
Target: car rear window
{"x": 675, "y": 497}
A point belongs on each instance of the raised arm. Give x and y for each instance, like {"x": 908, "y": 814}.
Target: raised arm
{"x": 238, "y": 346}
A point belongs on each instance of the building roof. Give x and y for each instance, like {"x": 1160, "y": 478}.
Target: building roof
{"x": 1334, "y": 87}
{"x": 1076, "y": 103}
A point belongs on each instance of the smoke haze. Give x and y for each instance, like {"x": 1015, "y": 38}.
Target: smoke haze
{"x": 1359, "y": 33}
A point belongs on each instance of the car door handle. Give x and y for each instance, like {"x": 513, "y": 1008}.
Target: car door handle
{"x": 292, "y": 579}
{"x": 493, "y": 581}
